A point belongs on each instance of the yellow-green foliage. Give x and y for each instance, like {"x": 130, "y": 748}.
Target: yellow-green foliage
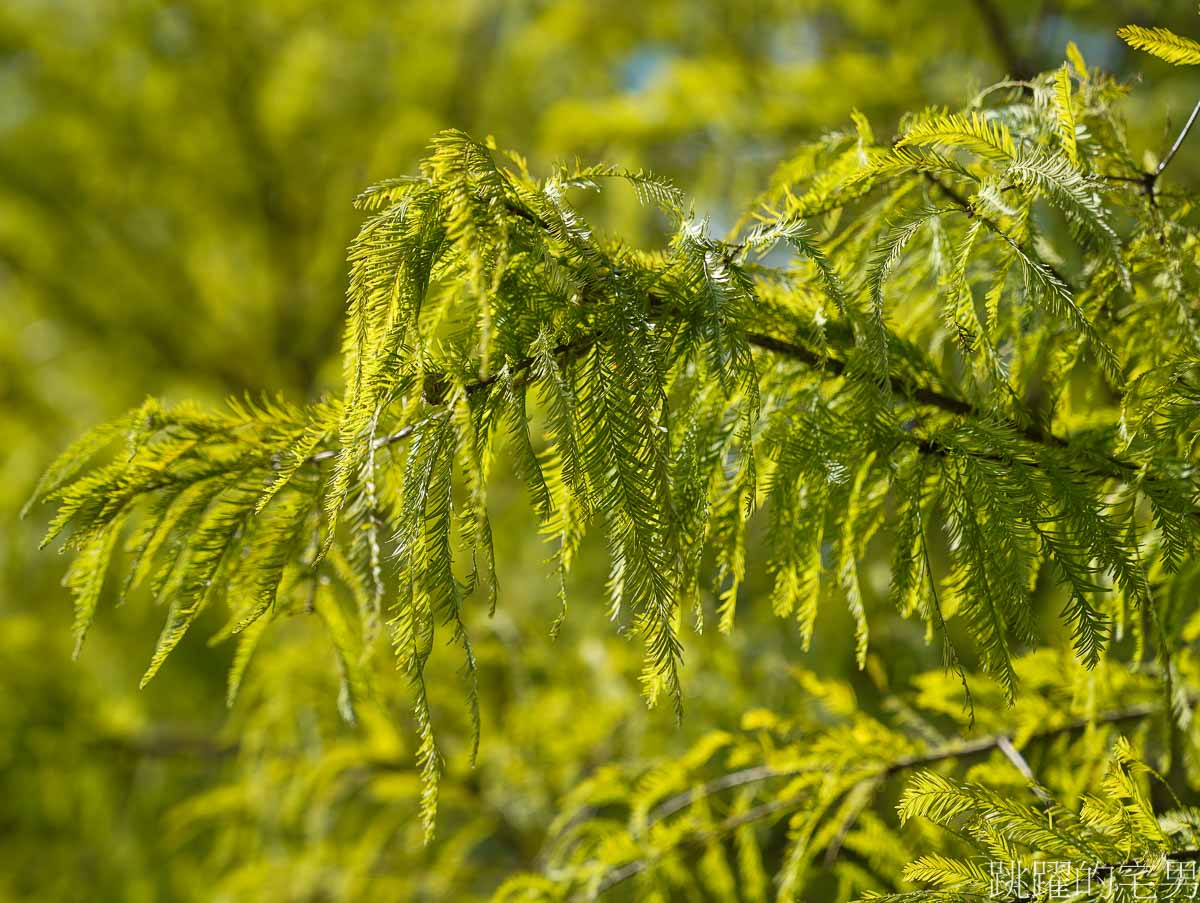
{"x": 1162, "y": 43}
{"x": 939, "y": 384}
{"x": 728, "y": 799}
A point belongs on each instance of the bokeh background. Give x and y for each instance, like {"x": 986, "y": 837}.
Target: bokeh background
{"x": 175, "y": 187}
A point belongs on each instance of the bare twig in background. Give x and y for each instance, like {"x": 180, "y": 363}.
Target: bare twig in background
{"x": 1002, "y": 39}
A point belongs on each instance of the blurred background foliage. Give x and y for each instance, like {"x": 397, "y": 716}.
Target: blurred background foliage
{"x": 175, "y": 187}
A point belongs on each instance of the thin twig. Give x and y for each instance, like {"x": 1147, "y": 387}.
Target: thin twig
{"x": 1014, "y": 756}
{"x": 951, "y": 751}
{"x": 1149, "y": 180}
{"x": 920, "y": 760}
{"x": 967, "y": 207}
{"x": 436, "y": 386}
{"x": 1178, "y": 141}
{"x": 998, "y": 31}
{"x": 725, "y": 782}
{"x": 380, "y": 442}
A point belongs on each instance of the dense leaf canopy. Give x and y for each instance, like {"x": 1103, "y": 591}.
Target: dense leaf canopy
{"x": 930, "y": 392}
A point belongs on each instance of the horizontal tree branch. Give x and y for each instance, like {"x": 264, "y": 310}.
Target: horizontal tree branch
{"x": 919, "y": 394}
